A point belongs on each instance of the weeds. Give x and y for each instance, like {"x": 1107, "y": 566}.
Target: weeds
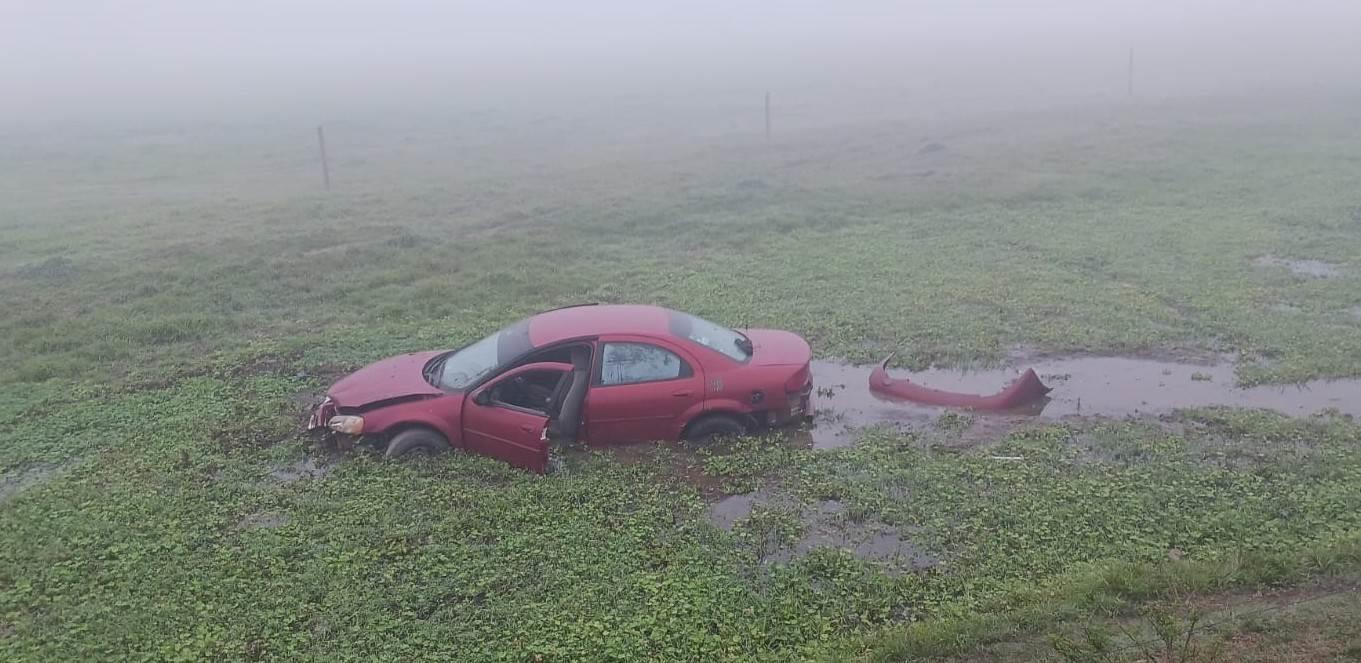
{"x": 154, "y": 350}
{"x": 1178, "y": 636}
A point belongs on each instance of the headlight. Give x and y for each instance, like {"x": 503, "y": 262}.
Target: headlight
{"x": 346, "y": 424}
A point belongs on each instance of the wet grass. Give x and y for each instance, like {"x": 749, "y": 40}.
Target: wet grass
{"x": 1312, "y": 622}
{"x": 162, "y": 318}
{"x": 1102, "y": 239}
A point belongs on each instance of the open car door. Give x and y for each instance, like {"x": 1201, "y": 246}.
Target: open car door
{"x": 514, "y": 416}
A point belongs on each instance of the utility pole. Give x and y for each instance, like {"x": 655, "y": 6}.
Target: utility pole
{"x": 767, "y": 116}
{"x": 325, "y": 167}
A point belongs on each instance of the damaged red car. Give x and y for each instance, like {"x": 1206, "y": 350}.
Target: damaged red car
{"x": 593, "y": 374}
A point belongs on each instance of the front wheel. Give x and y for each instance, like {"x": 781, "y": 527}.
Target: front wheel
{"x": 416, "y": 441}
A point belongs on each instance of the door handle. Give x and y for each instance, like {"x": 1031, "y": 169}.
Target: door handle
{"x": 682, "y": 394}
{"x": 527, "y": 428}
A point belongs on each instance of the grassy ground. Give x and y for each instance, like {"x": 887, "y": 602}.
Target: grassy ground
{"x": 1312, "y": 622}
{"x": 168, "y": 300}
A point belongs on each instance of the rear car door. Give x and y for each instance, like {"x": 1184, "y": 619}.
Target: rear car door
{"x": 640, "y": 388}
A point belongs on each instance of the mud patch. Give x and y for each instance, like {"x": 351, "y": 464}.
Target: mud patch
{"x": 55, "y": 268}
{"x": 340, "y": 250}
{"x": 307, "y": 468}
{"x": 833, "y": 429}
{"x": 985, "y": 430}
{"x": 1317, "y": 269}
{"x": 14, "y": 482}
{"x": 825, "y": 524}
{"x": 727, "y": 512}
{"x": 263, "y": 520}
{"x": 670, "y": 458}
{"x": 307, "y": 400}
{"x": 1096, "y": 386}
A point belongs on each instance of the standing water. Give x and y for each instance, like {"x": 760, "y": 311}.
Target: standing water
{"x": 1098, "y": 386}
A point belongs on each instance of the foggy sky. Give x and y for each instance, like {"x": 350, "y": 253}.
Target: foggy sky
{"x": 84, "y": 59}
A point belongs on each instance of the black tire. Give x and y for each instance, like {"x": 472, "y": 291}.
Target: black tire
{"x": 714, "y": 428}
{"x": 415, "y": 441}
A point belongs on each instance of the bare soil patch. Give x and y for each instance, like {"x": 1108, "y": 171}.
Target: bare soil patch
{"x": 14, "y": 482}
{"x": 306, "y": 468}
{"x": 1317, "y": 269}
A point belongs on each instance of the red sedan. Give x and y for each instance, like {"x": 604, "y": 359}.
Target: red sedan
{"x": 593, "y": 374}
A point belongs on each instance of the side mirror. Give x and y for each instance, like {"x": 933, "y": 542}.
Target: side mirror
{"x": 483, "y": 397}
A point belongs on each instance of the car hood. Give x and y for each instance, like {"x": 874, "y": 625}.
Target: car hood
{"x": 391, "y": 378}
{"x": 774, "y": 347}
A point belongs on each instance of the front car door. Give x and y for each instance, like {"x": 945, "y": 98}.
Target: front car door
{"x": 640, "y": 388}
{"x": 511, "y": 431}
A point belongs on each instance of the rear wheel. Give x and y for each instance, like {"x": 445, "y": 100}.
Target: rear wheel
{"x": 416, "y": 441}
{"x": 714, "y": 428}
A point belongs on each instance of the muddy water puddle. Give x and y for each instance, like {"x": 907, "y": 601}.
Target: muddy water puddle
{"x": 670, "y": 458}
{"x": 726, "y": 512}
{"x": 825, "y": 525}
{"x": 1094, "y": 386}
{"x": 15, "y": 482}
{"x": 263, "y": 520}
{"x": 306, "y": 468}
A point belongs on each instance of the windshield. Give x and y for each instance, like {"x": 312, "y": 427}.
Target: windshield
{"x": 465, "y": 367}
{"x": 711, "y": 335}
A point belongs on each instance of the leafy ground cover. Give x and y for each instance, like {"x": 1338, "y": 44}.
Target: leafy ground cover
{"x": 170, "y": 310}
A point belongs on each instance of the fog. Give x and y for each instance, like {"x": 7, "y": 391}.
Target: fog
{"x": 104, "y": 61}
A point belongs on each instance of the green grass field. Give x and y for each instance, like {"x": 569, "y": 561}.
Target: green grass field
{"x": 172, "y": 299}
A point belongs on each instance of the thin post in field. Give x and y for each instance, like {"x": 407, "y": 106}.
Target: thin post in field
{"x": 767, "y": 116}
{"x": 325, "y": 166}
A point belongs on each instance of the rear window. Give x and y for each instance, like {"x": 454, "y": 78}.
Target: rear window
{"x": 710, "y": 335}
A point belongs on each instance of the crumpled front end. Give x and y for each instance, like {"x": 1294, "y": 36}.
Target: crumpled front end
{"x": 322, "y": 414}
{"x": 341, "y": 430}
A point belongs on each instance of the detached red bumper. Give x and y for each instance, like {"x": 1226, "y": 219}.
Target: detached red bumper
{"x": 1026, "y": 390}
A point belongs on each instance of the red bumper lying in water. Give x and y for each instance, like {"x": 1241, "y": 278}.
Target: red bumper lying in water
{"x": 1026, "y": 390}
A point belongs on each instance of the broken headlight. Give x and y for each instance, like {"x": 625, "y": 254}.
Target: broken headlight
{"x": 349, "y": 425}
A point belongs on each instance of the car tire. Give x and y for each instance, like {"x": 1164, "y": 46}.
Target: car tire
{"x": 416, "y": 441}
{"x": 713, "y": 428}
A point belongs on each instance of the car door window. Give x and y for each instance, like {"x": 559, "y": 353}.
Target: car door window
{"x": 632, "y": 363}
{"x": 530, "y": 391}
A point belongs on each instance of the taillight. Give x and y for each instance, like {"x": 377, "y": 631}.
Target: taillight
{"x": 798, "y": 382}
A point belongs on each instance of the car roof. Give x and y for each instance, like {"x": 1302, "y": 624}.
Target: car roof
{"x": 589, "y": 320}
